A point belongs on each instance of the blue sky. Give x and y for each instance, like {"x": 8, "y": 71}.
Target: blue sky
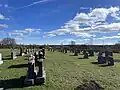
{"x": 60, "y": 21}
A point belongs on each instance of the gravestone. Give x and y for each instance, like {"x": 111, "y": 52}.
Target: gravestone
{"x": 43, "y": 50}
{"x": 26, "y": 51}
{"x": 65, "y": 50}
{"x": 101, "y": 58}
{"x": 13, "y": 55}
{"x": 36, "y": 57}
{"x": 109, "y": 58}
{"x": 1, "y": 62}
{"x": 21, "y": 50}
{"x": 31, "y": 75}
{"x": 76, "y": 52}
{"x": 40, "y": 78}
{"x": 86, "y": 56}
{"x": 29, "y": 50}
{"x": 91, "y": 53}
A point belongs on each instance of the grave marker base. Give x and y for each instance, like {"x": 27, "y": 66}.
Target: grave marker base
{"x": 29, "y": 82}
{"x": 41, "y": 80}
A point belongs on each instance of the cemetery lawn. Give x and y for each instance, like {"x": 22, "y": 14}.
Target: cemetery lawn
{"x": 63, "y": 72}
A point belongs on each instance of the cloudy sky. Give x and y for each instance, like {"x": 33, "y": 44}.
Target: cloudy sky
{"x": 60, "y": 21}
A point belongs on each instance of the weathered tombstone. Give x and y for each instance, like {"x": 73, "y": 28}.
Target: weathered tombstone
{"x": 36, "y": 57}
{"x": 86, "y": 56}
{"x": 84, "y": 51}
{"x": 31, "y": 75}
{"x": 65, "y": 50}
{"x": 40, "y": 78}
{"x": 109, "y": 58}
{"x": 26, "y": 51}
{"x": 29, "y": 50}
{"x": 76, "y": 52}
{"x": 21, "y": 51}
{"x": 101, "y": 58}
{"x": 1, "y": 62}
{"x": 91, "y": 53}
{"x": 13, "y": 55}
{"x": 43, "y": 50}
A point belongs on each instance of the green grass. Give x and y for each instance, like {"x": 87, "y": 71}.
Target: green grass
{"x": 63, "y": 72}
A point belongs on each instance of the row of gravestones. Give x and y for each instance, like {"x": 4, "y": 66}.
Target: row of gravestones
{"x": 14, "y": 53}
{"x": 36, "y": 77}
{"x": 75, "y": 51}
{"x": 108, "y": 58}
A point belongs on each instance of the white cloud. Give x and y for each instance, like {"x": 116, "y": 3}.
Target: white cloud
{"x": 16, "y": 34}
{"x": 85, "y": 8}
{"x": 2, "y": 17}
{"x": 83, "y": 24}
{"x": 3, "y": 26}
{"x": 116, "y": 16}
{"x": 31, "y": 30}
{"x": 107, "y": 37}
{"x": 28, "y": 32}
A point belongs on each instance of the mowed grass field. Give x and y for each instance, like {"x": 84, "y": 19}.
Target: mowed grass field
{"x": 63, "y": 72}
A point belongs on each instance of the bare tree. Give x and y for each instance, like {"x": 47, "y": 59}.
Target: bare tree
{"x": 8, "y": 41}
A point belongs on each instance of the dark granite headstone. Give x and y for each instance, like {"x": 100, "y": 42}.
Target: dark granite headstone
{"x": 40, "y": 78}
{"x": 76, "y": 52}
{"x": 36, "y": 57}
{"x": 21, "y": 51}
{"x": 86, "y": 56}
{"x": 110, "y": 60}
{"x": 91, "y": 53}
{"x": 101, "y": 58}
{"x": 31, "y": 75}
{"x": 65, "y": 50}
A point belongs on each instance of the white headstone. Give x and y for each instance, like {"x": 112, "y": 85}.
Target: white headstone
{"x": 1, "y": 62}
{"x": 23, "y": 54}
{"x": 14, "y": 55}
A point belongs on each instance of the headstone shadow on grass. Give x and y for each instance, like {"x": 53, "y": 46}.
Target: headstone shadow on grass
{"x": 8, "y": 55}
{"x": 116, "y": 60}
{"x": 91, "y": 85}
{"x": 7, "y": 58}
{"x": 12, "y": 83}
{"x": 105, "y": 65}
{"x": 18, "y": 66}
{"x": 72, "y": 55}
{"x": 26, "y": 59}
{"x": 94, "y": 62}
{"x": 81, "y": 58}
